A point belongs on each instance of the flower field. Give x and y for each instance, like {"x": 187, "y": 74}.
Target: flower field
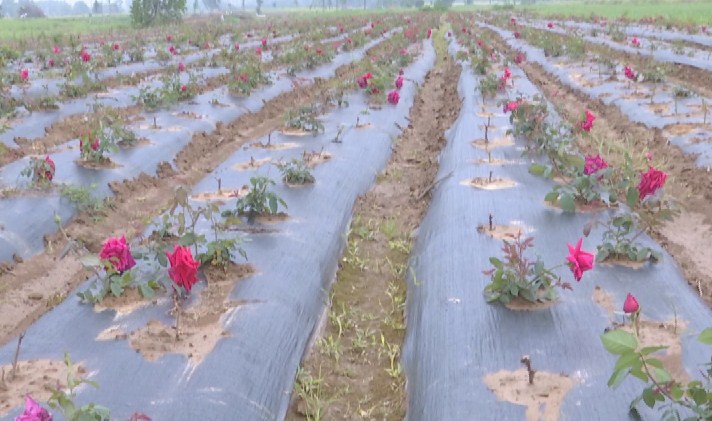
{"x": 424, "y": 216}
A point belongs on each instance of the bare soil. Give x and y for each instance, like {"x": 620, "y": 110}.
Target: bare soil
{"x": 357, "y": 354}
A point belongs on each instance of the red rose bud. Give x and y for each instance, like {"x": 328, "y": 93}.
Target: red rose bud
{"x": 399, "y": 82}
{"x": 56, "y": 49}
{"x": 50, "y": 62}
{"x": 517, "y": 35}
{"x": 236, "y": 47}
{"x": 264, "y": 42}
{"x": 116, "y": 46}
{"x": 429, "y": 34}
{"x": 24, "y": 75}
{"x": 550, "y": 25}
{"x": 169, "y": 38}
{"x": 635, "y": 42}
{"x": 95, "y": 144}
{"x": 258, "y": 50}
{"x": 630, "y": 305}
{"x": 184, "y": 269}
{"x": 181, "y": 67}
{"x": 183, "y": 88}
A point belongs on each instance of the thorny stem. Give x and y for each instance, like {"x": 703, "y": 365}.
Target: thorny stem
{"x": 528, "y": 364}
{"x": 17, "y": 354}
{"x": 487, "y": 130}
{"x": 177, "y": 309}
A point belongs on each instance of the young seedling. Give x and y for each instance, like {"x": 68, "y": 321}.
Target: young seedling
{"x": 17, "y": 355}
{"x": 704, "y": 111}
{"x": 491, "y": 222}
{"x": 528, "y": 364}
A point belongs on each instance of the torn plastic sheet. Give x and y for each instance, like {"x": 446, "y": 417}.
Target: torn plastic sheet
{"x": 249, "y": 375}
{"x": 697, "y": 141}
{"x": 175, "y": 131}
{"x": 454, "y": 339}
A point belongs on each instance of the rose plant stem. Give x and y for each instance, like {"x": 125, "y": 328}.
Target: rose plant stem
{"x": 17, "y": 354}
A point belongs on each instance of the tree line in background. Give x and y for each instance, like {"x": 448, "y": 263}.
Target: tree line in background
{"x": 42, "y": 8}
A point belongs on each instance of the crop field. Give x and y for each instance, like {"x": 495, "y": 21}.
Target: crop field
{"x": 425, "y": 215}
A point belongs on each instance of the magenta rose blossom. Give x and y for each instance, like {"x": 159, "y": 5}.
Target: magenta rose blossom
{"x": 631, "y": 304}
{"x": 181, "y": 67}
{"x": 550, "y": 25}
{"x": 33, "y": 412}
{"x": 184, "y": 269}
{"x": 362, "y": 81}
{"x": 393, "y": 97}
{"x": 579, "y": 260}
{"x": 587, "y": 123}
{"x": 117, "y": 251}
{"x": 651, "y": 181}
{"x": 264, "y": 42}
{"x": 46, "y": 172}
{"x": 511, "y": 106}
{"x": 594, "y": 164}
{"x": 629, "y": 73}
{"x": 399, "y": 82}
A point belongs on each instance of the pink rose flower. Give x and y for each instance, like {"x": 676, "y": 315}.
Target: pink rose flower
{"x": 630, "y": 305}
{"x": 184, "y": 269}
{"x": 258, "y": 50}
{"x": 264, "y": 42}
{"x": 86, "y": 57}
{"x": 118, "y": 253}
{"x": 651, "y": 181}
{"x": 33, "y": 412}
{"x": 550, "y": 25}
{"x": 517, "y": 35}
{"x": 116, "y": 46}
{"x": 181, "y": 67}
{"x": 579, "y": 261}
{"x": 635, "y": 42}
{"x": 594, "y": 164}
{"x": 56, "y": 49}
{"x": 24, "y": 75}
{"x": 183, "y": 88}
{"x": 393, "y": 97}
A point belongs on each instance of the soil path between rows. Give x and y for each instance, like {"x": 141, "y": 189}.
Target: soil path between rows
{"x": 353, "y": 370}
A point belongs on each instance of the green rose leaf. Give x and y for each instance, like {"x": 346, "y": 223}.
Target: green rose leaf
{"x": 619, "y": 342}
{"x": 706, "y": 336}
